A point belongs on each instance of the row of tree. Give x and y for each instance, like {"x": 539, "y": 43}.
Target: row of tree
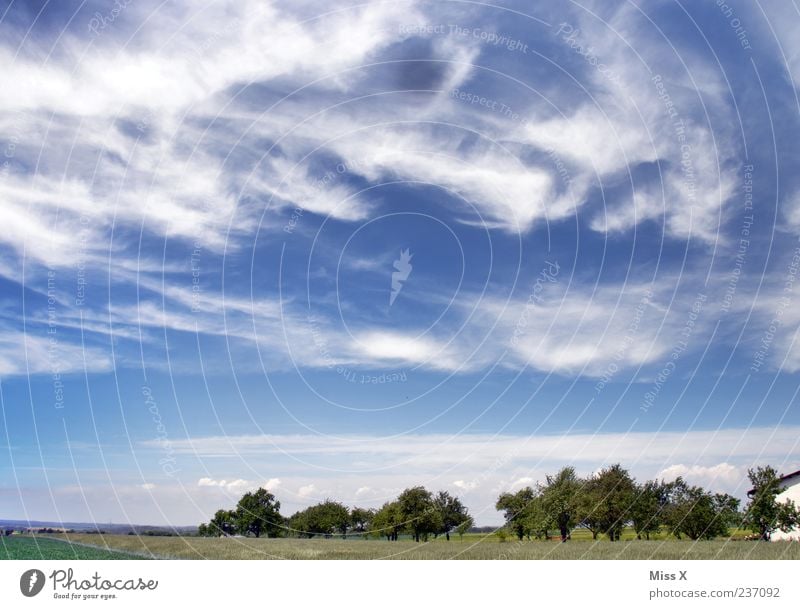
{"x": 420, "y": 513}
{"x": 607, "y": 502}
{"x": 416, "y": 512}
{"x": 257, "y": 513}
{"x": 604, "y": 503}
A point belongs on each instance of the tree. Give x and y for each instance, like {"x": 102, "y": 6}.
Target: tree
{"x": 559, "y": 501}
{"x": 647, "y": 509}
{"x": 326, "y": 518}
{"x": 361, "y": 519}
{"x": 536, "y": 520}
{"x": 300, "y": 526}
{"x": 465, "y": 526}
{"x": 223, "y": 523}
{"x": 588, "y": 513}
{"x": 419, "y": 512}
{"x": 517, "y": 508}
{"x": 451, "y": 512}
{"x": 606, "y": 501}
{"x": 259, "y": 513}
{"x": 335, "y": 516}
{"x": 764, "y": 513}
{"x": 696, "y": 513}
{"x": 388, "y": 521}
{"x": 727, "y": 508}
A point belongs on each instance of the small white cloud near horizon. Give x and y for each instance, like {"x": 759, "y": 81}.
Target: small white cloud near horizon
{"x": 711, "y": 476}
{"x": 226, "y": 484}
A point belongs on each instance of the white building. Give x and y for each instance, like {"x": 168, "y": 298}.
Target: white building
{"x": 790, "y": 483}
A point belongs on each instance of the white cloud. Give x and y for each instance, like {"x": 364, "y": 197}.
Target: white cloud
{"x": 230, "y": 485}
{"x": 381, "y": 346}
{"x": 306, "y": 491}
{"x": 272, "y": 484}
{"x": 174, "y": 174}
{"x": 791, "y": 211}
{"x": 491, "y": 186}
{"x": 161, "y": 172}
{"x": 432, "y": 451}
{"x": 28, "y": 353}
{"x": 465, "y": 485}
{"x": 776, "y": 21}
{"x": 182, "y": 56}
{"x": 368, "y": 470}
{"x": 625, "y": 123}
{"x": 721, "y": 475}
{"x": 521, "y": 483}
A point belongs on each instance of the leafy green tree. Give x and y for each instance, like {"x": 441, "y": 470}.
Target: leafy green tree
{"x": 606, "y": 501}
{"x": 536, "y": 520}
{"x": 516, "y": 508}
{"x": 451, "y": 512}
{"x": 560, "y": 501}
{"x": 361, "y": 519}
{"x": 336, "y": 516}
{"x": 223, "y": 523}
{"x": 326, "y": 518}
{"x": 589, "y": 515}
{"x": 388, "y": 521}
{"x": 419, "y": 512}
{"x": 465, "y": 526}
{"x": 299, "y": 525}
{"x": 258, "y": 513}
{"x": 696, "y": 513}
{"x": 764, "y": 513}
{"x": 648, "y": 508}
{"x": 727, "y": 507}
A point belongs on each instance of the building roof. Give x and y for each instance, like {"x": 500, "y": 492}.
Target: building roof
{"x": 792, "y": 475}
{"x": 781, "y": 479}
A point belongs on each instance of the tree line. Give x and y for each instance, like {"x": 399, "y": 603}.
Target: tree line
{"x": 416, "y": 512}
{"x": 610, "y": 500}
{"x": 603, "y": 503}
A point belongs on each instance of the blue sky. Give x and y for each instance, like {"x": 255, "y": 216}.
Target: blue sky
{"x": 203, "y": 208}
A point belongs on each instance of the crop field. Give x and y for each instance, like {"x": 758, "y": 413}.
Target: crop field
{"x": 475, "y": 547}
{"x": 42, "y": 548}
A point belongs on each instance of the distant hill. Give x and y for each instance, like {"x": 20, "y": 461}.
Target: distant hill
{"x": 92, "y": 527}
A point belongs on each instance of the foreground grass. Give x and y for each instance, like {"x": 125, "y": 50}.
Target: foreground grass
{"x": 475, "y": 548}
{"x": 42, "y": 548}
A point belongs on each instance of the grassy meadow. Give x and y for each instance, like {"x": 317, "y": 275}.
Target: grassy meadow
{"x": 30, "y": 547}
{"x": 472, "y": 547}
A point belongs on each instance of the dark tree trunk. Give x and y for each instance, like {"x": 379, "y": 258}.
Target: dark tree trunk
{"x": 447, "y": 535}
{"x": 564, "y": 533}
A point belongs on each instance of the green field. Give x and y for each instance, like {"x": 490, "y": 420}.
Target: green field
{"x": 472, "y": 547}
{"x": 32, "y": 547}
